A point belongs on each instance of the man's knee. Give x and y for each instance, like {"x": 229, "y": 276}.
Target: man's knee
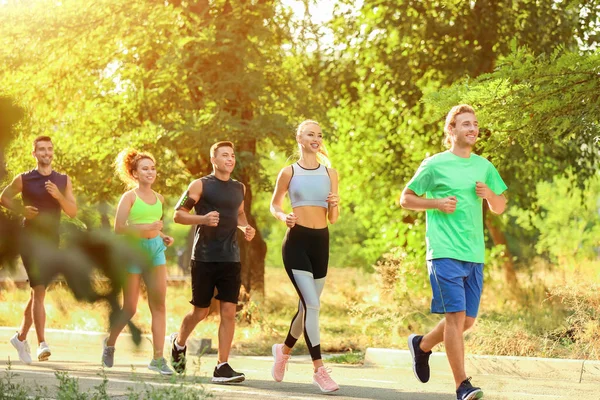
{"x": 198, "y": 314}
{"x": 469, "y": 322}
{"x": 228, "y": 311}
{"x": 456, "y": 319}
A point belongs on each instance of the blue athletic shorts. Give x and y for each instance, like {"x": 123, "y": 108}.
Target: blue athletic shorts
{"x": 456, "y": 286}
{"x": 155, "y": 249}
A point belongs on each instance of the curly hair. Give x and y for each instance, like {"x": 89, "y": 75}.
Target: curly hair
{"x": 127, "y": 161}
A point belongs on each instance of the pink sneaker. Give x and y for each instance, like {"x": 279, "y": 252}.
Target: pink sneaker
{"x": 322, "y": 379}
{"x": 280, "y": 364}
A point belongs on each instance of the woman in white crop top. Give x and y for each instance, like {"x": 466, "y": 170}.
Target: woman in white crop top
{"x": 313, "y": 191}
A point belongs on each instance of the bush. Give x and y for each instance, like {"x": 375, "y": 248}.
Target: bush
{"x": 583, "y": 323}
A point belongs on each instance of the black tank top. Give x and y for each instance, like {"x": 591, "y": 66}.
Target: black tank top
{"x": 218, "y": 243}
{"x": 35, "y": 194}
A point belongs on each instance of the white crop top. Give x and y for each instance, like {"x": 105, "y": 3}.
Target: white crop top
{"x": 309, "y": 187}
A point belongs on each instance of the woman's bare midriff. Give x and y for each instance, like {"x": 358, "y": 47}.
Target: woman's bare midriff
{"x": 149, "y": 234}
{"x": 311, "y": 217}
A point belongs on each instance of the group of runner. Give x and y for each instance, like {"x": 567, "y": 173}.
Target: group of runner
{"x": 450, "y": 186}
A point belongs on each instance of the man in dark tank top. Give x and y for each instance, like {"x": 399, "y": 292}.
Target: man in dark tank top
{"x": 218, "y": 202}
{"x": 45, "y": 193}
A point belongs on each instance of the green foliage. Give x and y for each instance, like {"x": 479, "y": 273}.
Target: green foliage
{"x": 350, "y": 357}
{"x": 566, "y": 218}
{"x": 389, "y": 55}
{"x": 181, "y": 391}
{"x": 541, "y": 117}
{"x": 68, "y": 389}
{"x": 9, "y": 389}
{"x": 205, "y": 73}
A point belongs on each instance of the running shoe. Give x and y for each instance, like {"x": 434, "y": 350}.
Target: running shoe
{"x": 108, "y": 354}
{"x": 280, "y": 362}
{"x": 43, "y": 352}
{"x": 323, "y": 381}
{"x": 160, "y": 365}
{"x": 22, "y": 348}
{"x": 226, "y": 374}
{"x": 177, "y": 355}
{"x": 466, "y": 391}
{"x": 420, "y": 358}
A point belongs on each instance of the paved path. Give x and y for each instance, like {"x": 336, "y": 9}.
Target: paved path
{"x": 357, "y": 382}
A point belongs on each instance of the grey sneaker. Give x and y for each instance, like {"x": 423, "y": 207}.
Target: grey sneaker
{"x": 160, "y": 365}
{"x": 108, "y": 354}
{"x": 22, "y": 348}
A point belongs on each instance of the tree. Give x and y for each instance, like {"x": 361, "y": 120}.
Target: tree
{"x": 388, "y": 55}
{"x": 168, "y": 77}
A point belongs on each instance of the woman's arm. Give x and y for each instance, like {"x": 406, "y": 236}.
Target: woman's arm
{"x": 281, "y": 188}
{"x": 333, "y": 210}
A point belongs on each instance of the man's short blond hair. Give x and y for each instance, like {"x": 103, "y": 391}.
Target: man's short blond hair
{"x": 218, "y": 145}
{"x": 451, "y": 120}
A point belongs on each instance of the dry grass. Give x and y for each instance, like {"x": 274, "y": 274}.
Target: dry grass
{"x": 359, "y": 310}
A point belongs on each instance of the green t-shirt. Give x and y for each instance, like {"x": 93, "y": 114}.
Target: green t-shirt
{"x": 458, "y": 235}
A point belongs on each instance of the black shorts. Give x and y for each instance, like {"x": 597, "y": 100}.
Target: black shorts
{"x": 31, "y": 249}
{"x": 206, "y": 276}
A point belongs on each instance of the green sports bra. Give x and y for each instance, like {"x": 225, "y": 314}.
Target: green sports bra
{"x": 144, "y": 213}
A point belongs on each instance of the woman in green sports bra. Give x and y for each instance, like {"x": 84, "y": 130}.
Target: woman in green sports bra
{"x": 139, "y": 213}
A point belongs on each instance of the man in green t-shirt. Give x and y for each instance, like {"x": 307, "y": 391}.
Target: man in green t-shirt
{"x": 455, "y": 183}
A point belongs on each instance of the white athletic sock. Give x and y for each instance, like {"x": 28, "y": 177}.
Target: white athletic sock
{"x": 220, "y": 365}
{"x": 178, "y": 346}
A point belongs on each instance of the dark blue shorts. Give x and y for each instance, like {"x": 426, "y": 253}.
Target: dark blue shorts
{"x": 456, "y": 286}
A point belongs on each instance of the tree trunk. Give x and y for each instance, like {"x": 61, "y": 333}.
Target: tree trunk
{"x": 499, "y": 239}
{"x": 252, "y": 253}
{"x": 183, "y": 258}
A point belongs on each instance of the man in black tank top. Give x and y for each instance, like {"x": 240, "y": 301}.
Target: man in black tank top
{"x": 218, "y": 202}
{"x": 45, "y": 194}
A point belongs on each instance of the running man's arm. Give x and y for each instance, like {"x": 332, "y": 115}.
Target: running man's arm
{"x": 492, "y": 190}
{"x": 333, "y": 211}
{"x": 10, "y": 192}
{"x": 497, "y": 202}
{"x": 182, "y": 212}
{"x": 422, "y": 182}
{"x": 281, "y": 188}
{"x": 411, "y": 201}
{"x": 67, "y": 201}
{"x": 242, "y": 221}
{"x": 7, "y": 199}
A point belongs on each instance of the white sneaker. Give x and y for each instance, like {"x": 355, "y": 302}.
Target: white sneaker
{"x": 22, "y": 348}
{"x": 43, "y": 352}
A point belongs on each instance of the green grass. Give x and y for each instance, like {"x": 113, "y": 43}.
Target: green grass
{"x": 68, "y": 389}
{"x": 351, "y": 357}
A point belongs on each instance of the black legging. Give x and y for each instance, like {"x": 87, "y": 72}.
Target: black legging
{"x": 305, "y": 256}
